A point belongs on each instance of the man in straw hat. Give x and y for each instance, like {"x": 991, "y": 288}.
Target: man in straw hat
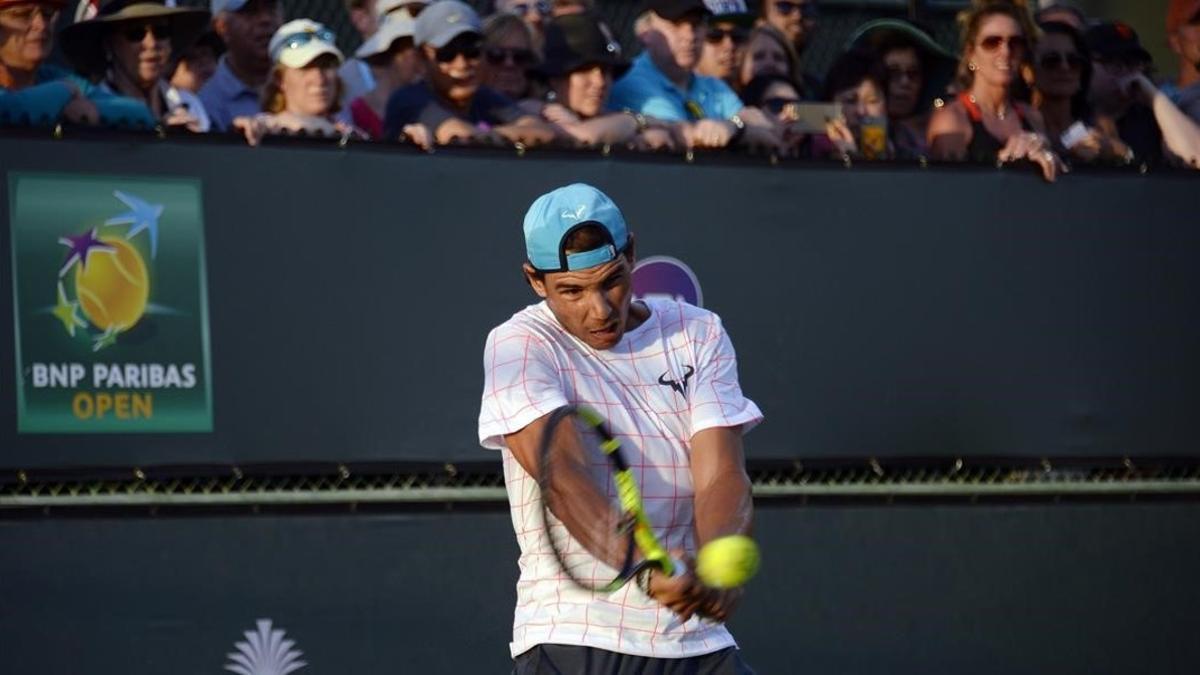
{"x": 127, "y": 46}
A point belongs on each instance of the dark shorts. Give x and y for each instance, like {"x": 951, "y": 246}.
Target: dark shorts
{"x": 576, "y": 660}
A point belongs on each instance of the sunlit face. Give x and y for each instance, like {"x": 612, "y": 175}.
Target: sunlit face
{"x": 863, "y": 100}
{"x": 764, "y": 56}
{"x": 591, "y": 304}
{"x": 1186, "y": 42}
{"x": 676, "y": 42}
{"x": 27, "y": 34}
{"x": 719, "y": 54}
{"x": 998, "y": 50}
{"x": 453, "y": 70}
{"x": 506, "y": 58}
{"x": 140, "y": 50}
{"x": 1057, "y": 65}
{"x": 905, "y": 81}
{"x": 585, "y": 90}
{"x": 311, "y": 90}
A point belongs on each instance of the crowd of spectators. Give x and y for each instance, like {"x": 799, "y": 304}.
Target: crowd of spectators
{"x": 1053, "y": 87}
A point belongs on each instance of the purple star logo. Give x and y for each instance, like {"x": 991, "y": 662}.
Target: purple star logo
{"x": 78, "y": 248}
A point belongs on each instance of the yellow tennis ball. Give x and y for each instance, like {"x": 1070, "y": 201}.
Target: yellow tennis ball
{"x": 114, "y": 287}
{"x": 728, "y": 561}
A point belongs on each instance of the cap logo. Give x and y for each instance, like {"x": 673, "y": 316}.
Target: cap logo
{"x": 612, "y": 45}
{"x": 568, "y": 215}
{"x": 1123, "y": 30}
{"x": 454, "y": 18}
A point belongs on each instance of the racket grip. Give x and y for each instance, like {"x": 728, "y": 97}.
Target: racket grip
{"x": 678, "y": 567}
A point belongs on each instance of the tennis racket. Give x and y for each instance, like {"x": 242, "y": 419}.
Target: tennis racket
{"x": 591, "y": 504}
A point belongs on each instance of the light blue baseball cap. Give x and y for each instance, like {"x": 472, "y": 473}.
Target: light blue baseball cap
{"x": 555, "y": 215}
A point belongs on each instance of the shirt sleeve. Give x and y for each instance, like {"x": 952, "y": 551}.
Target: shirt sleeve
{"x": 717, "y": 399}
{"x": 637, "y": 94}
{"x": 412, "y": 105}
{"x": 39, "y": 104}
{"x": 520, "y": 384}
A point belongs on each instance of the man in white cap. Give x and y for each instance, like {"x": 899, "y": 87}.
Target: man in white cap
{"x": 666, "y": 373}
{"x": 451, "y": 103}
{"x": 246, "y": 26}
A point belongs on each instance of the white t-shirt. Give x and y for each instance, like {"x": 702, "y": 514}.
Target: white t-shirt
{"x": 672, "y": 376}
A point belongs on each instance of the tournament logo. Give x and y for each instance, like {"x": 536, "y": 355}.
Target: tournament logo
{"x": 664, "y": 276}
{"x": 111, "y": 308}
{"x": 264, "y": 652}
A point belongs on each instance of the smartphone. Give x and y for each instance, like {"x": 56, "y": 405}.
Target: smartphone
{"x": 1074, "y": 134}
{"x": 811, "y": 117}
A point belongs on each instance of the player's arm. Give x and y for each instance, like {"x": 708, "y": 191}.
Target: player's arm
{"x": 723, "y": 504}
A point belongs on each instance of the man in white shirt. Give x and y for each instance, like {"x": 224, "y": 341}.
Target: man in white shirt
{"x": 664, "y": 375}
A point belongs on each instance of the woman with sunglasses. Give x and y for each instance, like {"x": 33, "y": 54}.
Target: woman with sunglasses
{"x": 729, "y": 25}
{"x": 986, "y": 123}
{"x": 127, "y": 46}
{"x": 302, "y": 92}
{"x": 509, "y": 53}
{"x": 1062, "y": 79}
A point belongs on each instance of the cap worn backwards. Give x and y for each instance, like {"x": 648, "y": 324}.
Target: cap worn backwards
{"x": 552, "y": 218}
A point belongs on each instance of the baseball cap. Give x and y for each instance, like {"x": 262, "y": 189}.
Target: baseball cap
{"x": 555, "y": 215}
{"x": 393, "y": 27}
{"x": 732, "y": 11}
{"x": 443, "y": 21}
{"x": 299, "y": 41}
{"x": 219, "y": 6}
{"x": 1181, "y": 12}
{"x": 674, "y": 10}
{"x": 1115, "y": 40}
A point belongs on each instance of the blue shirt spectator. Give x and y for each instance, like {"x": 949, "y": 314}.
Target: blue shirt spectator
{"x": 225, "y": 97}
{"x": 645, "y": 89}
{"x": 45, "y": 101}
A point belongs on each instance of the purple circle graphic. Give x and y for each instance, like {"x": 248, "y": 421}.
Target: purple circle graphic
{"x": 665, "y": 276}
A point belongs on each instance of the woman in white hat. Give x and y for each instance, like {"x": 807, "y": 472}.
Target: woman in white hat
{"x": 302, "y": 92}
{"x": 127, "y": 46}
{"x": 392, "y": 57}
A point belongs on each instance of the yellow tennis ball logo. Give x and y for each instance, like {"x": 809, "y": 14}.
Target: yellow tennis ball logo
{"x": 113, "y": 287}
{"x": 727, "y": 562}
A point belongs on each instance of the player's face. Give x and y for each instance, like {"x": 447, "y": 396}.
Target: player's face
{"x": 592, "y": 304}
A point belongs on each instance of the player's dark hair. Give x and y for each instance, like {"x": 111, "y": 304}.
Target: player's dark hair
{"x": 583, "y": 238}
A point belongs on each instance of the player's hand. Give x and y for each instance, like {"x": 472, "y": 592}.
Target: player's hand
{"x": 720, "y": 604}
{"x": 682, "y": 593}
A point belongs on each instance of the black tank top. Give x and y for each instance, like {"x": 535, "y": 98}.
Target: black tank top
{"x": 984, "y": 146}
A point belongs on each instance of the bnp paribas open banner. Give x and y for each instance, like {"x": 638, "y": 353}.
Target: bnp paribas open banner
{"x": 110, "y": 303}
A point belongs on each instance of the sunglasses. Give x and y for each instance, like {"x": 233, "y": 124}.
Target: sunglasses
{"x": 807, "y": 10}
{"x": 137, "y": 32}
{"x": 469, "y": 50}
{"x": 23, "y": 15}
{"x": 1052, "y": 60}
{"x": 297, "y": 40}
{"x": 518, "y": 57}
{"x": 910, "y": 74}
{"x": 992, "y": 43}
{"x": 718, "y": 35}
{"x": 522, "y": 8}
{"x": 776, "y": 105}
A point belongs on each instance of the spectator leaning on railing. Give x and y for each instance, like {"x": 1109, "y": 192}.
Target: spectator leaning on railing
{"x": 32, "y": 92}
{"x": 797, "y": 21}
{"x": 857, "y": 81}
{"x": 510, "y": 51}
{"x": 985, "y": 123}
{"x": 451, "y": 104}
{"x": 195, "y": 65}
{"x": 302, "y": 92}
{"x": 1129, "y": 105}
{"x": 767, "y": 52}
{"x": 246, "y": 26}
{"x": 392, "y": 57}
{"x": 661, "y": 84}
{"x": 582, "y": 59}
{"x": 1183, "y": 34}
{"x": 127, "y": 48}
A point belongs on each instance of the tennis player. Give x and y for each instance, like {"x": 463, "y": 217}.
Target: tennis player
{"x": 664, "y": 375}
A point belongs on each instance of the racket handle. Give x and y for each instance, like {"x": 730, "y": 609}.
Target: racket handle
{"x": 678, "y": 568}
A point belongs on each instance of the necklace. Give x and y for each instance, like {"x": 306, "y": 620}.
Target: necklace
{"x": 1000, "y": 113}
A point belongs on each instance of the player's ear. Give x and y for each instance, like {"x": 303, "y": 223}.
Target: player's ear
{"x": 535, "y": 279}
